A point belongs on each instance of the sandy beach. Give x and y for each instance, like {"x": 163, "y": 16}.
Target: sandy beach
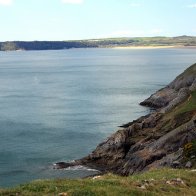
{"x": 146, "y": 47}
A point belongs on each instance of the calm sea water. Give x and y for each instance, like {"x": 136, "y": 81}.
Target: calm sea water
{"x": 58, "y": 105}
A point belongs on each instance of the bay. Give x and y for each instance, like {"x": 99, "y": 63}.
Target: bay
{"x": 58, "y": 105}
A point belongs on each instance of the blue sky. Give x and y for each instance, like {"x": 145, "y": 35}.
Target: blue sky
{"x": 83, "y": 19}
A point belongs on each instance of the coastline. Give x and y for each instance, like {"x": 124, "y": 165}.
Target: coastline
{"x": 155, "y": 140}
{"x": 112, "y": 47}
{"x": 152, "y": 47}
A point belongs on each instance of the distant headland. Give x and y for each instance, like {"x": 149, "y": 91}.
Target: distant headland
{"x": 121, "y": 43}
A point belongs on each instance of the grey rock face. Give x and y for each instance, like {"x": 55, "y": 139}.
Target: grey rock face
{"x": 176, "y": 164}
{"x": 184, "y": 82}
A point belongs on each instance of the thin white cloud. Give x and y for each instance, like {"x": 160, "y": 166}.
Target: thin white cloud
{"x": 192, "y": 6}
{"x": 72, "y": 1}
{"x": 6, "y": 2}
{"x": 135, "y": 5}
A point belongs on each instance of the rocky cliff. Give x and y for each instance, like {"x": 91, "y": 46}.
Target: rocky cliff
{"x": 165, "y": 137}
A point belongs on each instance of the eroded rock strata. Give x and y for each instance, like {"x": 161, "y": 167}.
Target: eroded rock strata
{"x": 154, "y": 140}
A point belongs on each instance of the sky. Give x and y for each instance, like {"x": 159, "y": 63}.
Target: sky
{"x": 30, "y": 20}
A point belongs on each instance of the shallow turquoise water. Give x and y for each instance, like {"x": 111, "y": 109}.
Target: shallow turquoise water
{"x": 58, "y": 105}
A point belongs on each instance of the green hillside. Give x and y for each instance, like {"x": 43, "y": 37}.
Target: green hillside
{"x": 99, "y": 43}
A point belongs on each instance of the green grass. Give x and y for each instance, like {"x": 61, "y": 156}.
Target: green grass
{"x": 155, "y": 182}
{"x": 189, "y": 71}
{"x": 188, "y": 105}
{"x": 180, "y": 114}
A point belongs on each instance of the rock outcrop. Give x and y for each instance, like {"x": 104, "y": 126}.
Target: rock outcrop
{"x": 177, "y": 89}
{"x": 154, "y": 140}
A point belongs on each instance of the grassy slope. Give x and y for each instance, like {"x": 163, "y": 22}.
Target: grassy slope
{"x": 189, "y": 105}
{"x": 146, "y": 41}
{"x": 156, "y": 182}
{"x": 180, "y": 115}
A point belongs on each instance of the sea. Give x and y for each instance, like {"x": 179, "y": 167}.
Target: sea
{"x": 58, "y": 105}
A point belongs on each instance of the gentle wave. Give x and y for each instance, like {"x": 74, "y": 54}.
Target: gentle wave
{"x": 77, "y": 167}
{"x": 80, "y": 167}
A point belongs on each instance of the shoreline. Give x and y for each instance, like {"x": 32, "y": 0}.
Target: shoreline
{"x": 111, "y": 47}
{"x": 153, "y": 47}
{"x": 155, "y": 140}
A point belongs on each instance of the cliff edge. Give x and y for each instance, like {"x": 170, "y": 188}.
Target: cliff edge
{"x": 165, "y": 137}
